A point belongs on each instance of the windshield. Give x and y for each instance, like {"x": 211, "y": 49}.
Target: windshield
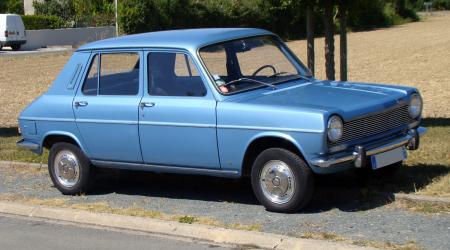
{"x": 249, "y": 63}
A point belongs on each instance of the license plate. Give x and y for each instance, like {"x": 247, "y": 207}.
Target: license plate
{"x": 388, "y": 157}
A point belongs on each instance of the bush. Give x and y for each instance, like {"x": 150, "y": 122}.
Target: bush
{"x": 418, "y": 5}
{"x": 37, "y": 22}
{"x": 368, "y": 15}
{"x": 441, "y": 4}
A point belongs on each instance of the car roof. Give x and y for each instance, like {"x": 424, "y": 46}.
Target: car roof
{"x": 7, "y": 14}
{"x": 182, "y": 39}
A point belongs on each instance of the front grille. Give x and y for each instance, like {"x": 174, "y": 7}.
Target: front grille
{"x": 375, "y": 124}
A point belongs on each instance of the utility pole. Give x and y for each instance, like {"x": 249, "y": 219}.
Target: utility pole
{"x": 117, "y": 24}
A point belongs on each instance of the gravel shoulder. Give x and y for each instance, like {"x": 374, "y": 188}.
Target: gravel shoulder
{"x": 337, "y": 212}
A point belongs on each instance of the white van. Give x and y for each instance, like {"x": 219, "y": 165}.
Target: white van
{"x": 12, "y": 31}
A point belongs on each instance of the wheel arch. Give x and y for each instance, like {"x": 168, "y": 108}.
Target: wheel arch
{"x": 53, "y": 137}
{"x": 267, "y": 140}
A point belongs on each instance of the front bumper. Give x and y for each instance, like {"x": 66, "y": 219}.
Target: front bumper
{"x": 12, "y": 42}
{"x": 359, "y": 156}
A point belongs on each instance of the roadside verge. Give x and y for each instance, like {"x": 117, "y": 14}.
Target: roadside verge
{"x": 168, "y": 228}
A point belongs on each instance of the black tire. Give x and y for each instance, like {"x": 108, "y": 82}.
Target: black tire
{"x": 303, "y": 177}
{"x": 16, "y": 47}
{"x": 381, "y": 173}
{"x": 86, "y": 169}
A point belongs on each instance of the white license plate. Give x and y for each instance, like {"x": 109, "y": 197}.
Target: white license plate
{"x": 388, "y": 157}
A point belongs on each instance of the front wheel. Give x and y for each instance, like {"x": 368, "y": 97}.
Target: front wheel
{"x": 281, "y": 180}
{"x": 70, "y": 170}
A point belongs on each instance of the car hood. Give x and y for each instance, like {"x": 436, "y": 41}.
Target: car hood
{"x": 348, "y": 99}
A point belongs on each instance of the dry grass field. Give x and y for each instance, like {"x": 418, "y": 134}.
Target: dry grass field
{"x": 414, "y": 54}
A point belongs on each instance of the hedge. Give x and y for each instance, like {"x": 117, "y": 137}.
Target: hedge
{"x": 283, "y": 17}
{"x": 37, "y": 22}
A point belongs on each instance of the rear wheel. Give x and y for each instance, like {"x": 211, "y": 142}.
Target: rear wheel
{"x": 16, "y": 47}
{"x": 281, "y": 180}
{"x": 70, "y": 170}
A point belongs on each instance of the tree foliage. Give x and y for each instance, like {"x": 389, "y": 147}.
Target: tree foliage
{"x": 284, "y": 17}
{"x": 11, "y": 6}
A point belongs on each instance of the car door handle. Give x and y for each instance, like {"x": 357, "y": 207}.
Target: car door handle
{"x": 147, "y": 104}
{"x": 80, "y": 104}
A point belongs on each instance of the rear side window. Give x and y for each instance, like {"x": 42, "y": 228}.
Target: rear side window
{"x": 173, "y": 74}
{"x": 113, "y": 74}
{"x": 91, "y": 82}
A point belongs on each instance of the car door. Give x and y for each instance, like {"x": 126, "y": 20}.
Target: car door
{"x": 106, "y": 106}
{"x": 177, "y": 115}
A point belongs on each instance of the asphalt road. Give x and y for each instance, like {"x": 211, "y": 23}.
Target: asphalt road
{"x": 35, "y": 234}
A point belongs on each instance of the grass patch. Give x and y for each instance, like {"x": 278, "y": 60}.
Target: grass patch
{"x": 322, "y": 236}
{"x": 187, "y": 219}
{"x": 10, "y": 152}
{"x": 410, "y": 245}
{"x": 104, "y": 207}
{"x": 424, "y": 207}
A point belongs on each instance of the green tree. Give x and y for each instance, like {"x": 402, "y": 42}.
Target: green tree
{"x": 60, "y": 8}
{"x": 11, "y": 6}
{"x": 138, "y": 16}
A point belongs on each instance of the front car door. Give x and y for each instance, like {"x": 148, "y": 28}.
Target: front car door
{"x": 106, "y": 106}
{"x": 177, "y": 115}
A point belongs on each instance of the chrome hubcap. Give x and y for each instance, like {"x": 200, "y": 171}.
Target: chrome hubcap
{"x": 277, "y": 182}
{"x": 67, "y": 169}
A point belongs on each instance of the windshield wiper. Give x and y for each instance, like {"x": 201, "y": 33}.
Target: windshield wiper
{"x": 278, "y": 74}
{"x": 285, "y": 73}
{"x": 243, "y": 79}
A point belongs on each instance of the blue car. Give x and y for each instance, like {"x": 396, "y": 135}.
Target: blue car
{"x": 219, "y": 102}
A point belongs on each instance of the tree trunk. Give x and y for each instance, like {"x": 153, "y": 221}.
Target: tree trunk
{"x": 310, "y": 35}
{"x": 343, "y": 40}
{"x": 329, "y": 39}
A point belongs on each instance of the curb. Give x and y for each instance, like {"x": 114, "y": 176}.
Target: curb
{"x": 171, "y": 228}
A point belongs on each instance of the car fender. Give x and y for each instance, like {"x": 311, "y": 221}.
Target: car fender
{"x": 277, "y": 134}
{"x": 64, "y": 133}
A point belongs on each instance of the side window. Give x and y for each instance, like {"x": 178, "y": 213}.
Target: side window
{"x": 173, "y": 74}
{"x": 216, "y": 59}
{"x": 91, "y": 81}
{"x": 119, "y": 75}
{"x": 184, "y": 66}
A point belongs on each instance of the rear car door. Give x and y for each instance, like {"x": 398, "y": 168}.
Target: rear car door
{"x": 177, "y": 115}
{"x": 11, "y": 27}
{"x": 106, "y": 106}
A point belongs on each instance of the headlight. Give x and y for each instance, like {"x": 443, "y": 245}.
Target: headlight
{"x": 335, "y": 128}
{"x": 415, "y": 106}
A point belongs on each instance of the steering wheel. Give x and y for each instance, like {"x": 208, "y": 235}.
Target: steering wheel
{"x": 263, "y": 67}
